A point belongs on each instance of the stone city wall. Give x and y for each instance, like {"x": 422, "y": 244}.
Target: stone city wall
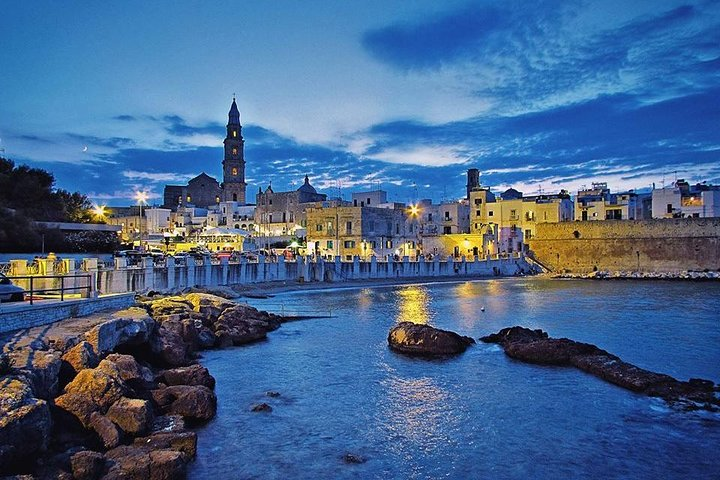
{"x": 662, "y": 245}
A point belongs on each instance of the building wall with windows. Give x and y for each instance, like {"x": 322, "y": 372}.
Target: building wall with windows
{"x": 350, "y": 231}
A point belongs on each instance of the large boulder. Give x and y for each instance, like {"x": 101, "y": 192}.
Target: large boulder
{"x": 241, "y": 324}
{"x": 192, "y": 402}
{"x": 135, "y": 375}
{"x": 132, "y": 415}
{"x": 190, "y": 375}
{"x": 87, "y": 465}
{"x": 109, "y": 433}
{"x": 209, "y": 305}
{"x": 168, "y": 306}
{"x": 168, "y": 348}
{"x": 92, "y": 390}
{"x": 134, "y": 462}
{"x": 79, "y": 357}
{"x": 41, "y": 367}
{"x": 25, "y": 422}
{"x": 129, "y": 327}
{"x": 418, "y": 339}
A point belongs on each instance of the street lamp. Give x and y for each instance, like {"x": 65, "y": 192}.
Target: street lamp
{"x": 141, "y": 198}
{"x": 99, "y": 211}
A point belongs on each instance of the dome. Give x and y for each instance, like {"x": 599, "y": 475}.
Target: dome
{"x": 306, "y": 187}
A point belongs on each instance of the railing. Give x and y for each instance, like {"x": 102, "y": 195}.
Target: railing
{"x": 5, "y": 267}
{"x": 32, "y": 291}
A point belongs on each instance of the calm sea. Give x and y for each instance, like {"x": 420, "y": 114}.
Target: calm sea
{"x": 478, "y": 415}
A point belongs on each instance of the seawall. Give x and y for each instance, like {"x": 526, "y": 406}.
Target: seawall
{"x": 659, "y": 246}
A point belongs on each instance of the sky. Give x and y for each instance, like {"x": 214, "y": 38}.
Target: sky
{"x": 119, "y": 97}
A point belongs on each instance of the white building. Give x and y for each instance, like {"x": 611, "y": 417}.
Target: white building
{"x": 683, "y": 200}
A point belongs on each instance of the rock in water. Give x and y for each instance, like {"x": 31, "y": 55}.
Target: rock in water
{"x": 417, "y": 339}
{"x": 534, "y": 346}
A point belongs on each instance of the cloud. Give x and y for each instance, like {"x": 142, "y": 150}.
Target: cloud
{"x": 166, "y": 177}
{"x": 125, "y": 118}
{"x": 437, "y": 41}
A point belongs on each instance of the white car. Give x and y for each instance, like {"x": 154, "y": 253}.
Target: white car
{"x": 10, "y": 292}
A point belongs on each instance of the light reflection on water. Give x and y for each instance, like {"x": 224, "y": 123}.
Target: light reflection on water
{"x": 413, "y": 304}
{"x": 476, "y": 415}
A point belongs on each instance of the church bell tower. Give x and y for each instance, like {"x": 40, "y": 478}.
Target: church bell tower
{"x": 233, "y": 187}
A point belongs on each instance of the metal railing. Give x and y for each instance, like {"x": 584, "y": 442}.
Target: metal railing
{"x": 31, "y": 291}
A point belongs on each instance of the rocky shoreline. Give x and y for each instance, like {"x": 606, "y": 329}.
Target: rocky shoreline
{"x": 632, "y": 275}
{"x": 535, "y": 346}
{"x": 115, "y": 401}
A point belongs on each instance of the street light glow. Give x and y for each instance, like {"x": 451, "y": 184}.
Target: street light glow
{"x": 99, "y": 210}
{"x": 141, "y": 197}
{"x": 414, "y": 210}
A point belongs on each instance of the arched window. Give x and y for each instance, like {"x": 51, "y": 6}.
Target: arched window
{"x": 234, "y": 151}
{"x": 234, "y": 171}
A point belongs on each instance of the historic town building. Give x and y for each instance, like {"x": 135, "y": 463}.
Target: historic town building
{"x": 204, "y": 191}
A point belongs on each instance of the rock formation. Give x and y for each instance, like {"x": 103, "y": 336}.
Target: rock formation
{"x": 534, "y": 346}
{"x": 112, "y": 402}
{"x": 418, "y": 339}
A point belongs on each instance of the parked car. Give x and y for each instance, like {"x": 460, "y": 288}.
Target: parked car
{"x": 10, "y": 292}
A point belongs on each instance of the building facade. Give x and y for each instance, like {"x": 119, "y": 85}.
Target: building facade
{"x": 279, "y": 214}
{"x": 334, "y": 229}
{"x": 684, "y": 200}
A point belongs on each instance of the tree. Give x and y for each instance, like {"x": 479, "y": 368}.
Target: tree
{"x": 75, "y": 206}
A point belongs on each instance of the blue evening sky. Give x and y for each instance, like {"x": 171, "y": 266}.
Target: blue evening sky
{"x": 115, "y": 97}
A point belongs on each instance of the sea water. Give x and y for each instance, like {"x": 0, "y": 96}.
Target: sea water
{"x": 476, "y": 415}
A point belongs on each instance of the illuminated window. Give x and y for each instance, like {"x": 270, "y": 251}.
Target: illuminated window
{"x": 188, "y": 199}
{"x": 234, "y": 133}
{"x": 234, "y": 151}
{"x": 217, "y": 199}
{"x": 234, "y": 171}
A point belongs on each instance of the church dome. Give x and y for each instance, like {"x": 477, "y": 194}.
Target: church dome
{"x": 306, "y": 187}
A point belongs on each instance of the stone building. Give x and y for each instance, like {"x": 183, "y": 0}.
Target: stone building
{"x": 280, "y": 214}
{"x": 205, "y": 191}
{"x": 598, "y": 203}
{"x": 507, "y": 223}
{"x": 334, "y": 229}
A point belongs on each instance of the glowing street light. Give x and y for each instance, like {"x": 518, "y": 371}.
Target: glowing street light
{"x": 99, "y": 211}
{"x": 414, "y": 210}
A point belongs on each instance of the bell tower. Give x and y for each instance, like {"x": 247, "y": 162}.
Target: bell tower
{"x": 233, "y": 186}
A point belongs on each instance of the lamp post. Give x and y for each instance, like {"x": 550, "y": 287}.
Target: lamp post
{"x": 141, "y": 198}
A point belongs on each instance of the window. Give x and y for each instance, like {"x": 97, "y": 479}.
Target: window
{"x": 669, "y": 208}
{"x": 270, "y": 218}
{"x": 348, "y": 227}
{"x": 217, "y": 199}
{"x": 373, "y": 244}
{"x": 355, "y": 202}
{"x": 478, "y": 201}
{"x": 528, "y": 234}
{"x": 234, "y": 151}
{"x": 429, "y": 217}
{"x": 234, "y": 171}
{"x": 368, "y": 201}
{"x": 490, "y": 213}
{"x": 318, "y": 227}
{"x": 397, "y": 229}
{"x": 388, "y": 244}
{"x": 478, "y": 213}
{"x": 234, "y": 133}
{"x": 329, "y": 244}
{"x": 270, "y": 201}
{"x": 349, "y": 244}
{"x": 447, "y": 215}
{"x": 447, "y": 230}
{"x": 189, "y": 198}
{"x": 234, "y": 197}
{"x": 513, "y": 213}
